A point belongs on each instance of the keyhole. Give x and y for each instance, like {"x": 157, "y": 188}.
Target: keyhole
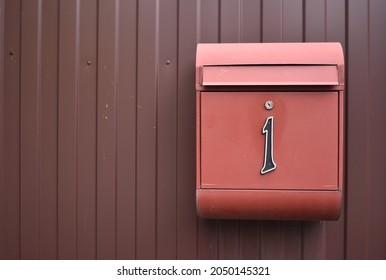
{"x": 268, "y": 105}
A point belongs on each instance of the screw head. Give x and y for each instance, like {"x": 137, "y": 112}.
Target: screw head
{"x": 168, "y": 62}
{"x": 89, "y": 62}
{"x": 268, "y": 105}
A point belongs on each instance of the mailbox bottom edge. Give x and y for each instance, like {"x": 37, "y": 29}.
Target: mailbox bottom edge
{"x": 268, "y": 204}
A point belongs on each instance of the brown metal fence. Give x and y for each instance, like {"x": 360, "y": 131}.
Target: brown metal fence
{"x": 97, "y": 128}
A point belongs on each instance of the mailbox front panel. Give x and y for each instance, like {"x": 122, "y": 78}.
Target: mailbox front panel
{"x": 304, "y": 135}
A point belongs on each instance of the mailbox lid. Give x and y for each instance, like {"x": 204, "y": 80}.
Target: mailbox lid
{"x": 326, "y": 59}
{"x": 262, "y": 75}
{"x": 269, "y": 54}
{"x": 306, "y": 140}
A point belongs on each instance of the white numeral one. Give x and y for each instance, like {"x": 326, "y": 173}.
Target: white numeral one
{"x": 269, "y": 162}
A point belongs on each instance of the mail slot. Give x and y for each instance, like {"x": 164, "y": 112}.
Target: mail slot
{"x": 270, "y": 131}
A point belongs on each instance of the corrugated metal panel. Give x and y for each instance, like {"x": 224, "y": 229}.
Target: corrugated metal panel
{"x": 10, "y": 112}
{"x": 97, "y": 130}
{"x": 366, "y": 230}
{"x": 1, "y": 126}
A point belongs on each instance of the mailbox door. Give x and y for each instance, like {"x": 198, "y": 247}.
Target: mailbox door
{"x": 303, "y": 136}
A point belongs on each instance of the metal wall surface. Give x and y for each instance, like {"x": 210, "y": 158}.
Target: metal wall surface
{"x": 97, "y": 130}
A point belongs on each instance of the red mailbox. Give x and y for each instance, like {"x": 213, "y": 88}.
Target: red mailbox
{"x": 270, "y": 131}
